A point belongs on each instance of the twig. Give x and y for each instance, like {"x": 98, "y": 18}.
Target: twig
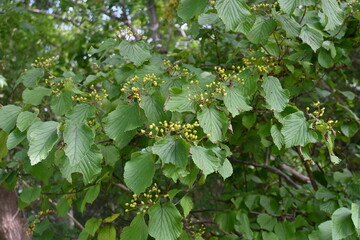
{"x": 122, "y": 186}
{"x": 307, "y": 167}
{"x": 300, "y": 177}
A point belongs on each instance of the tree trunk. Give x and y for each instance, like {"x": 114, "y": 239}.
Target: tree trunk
{"x": 12, "y": 225}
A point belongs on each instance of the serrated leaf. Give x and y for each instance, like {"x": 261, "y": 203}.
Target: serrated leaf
{"x": 342, "y": 225}
{"x": 296, "y": 130}
{"x": 124, "y": 118}
{"x": 8, "y": 115}
{"x": 137, "y": 229}
{"x": 291, "y": 27}
{"x": 266, "y": 221}
{"x": 278, "y": 138}
{"x": 78, "y": 138}
{"x": 30, "y": 194}
{"x": 355, "y": 216}
{"x": 42, "y": 137}
{"x": 213, "y": 122}
{"x": 179, "y": 101}
{"x": 89, "y": 166}
{"x": 15, "y": 138}
{"x": 25, "y": 120}
{"x": 186, "y": 204}
{"x": 153, "y": 107}
{"x": 137, "y": 52}
{"x": 244, "y": 225}
{"x": 232, "y": 12}
{"x": 139, "y": 171}
{"x": 35, "y": 96}
{"x": 205, "y": 159}
{"x": 312, "y": 37}
{"x": 81, "y": 112}
{"x": 275, "y": 95}
{"x": 187, "y": 9}
{"x": 164, "y": 222}
{"x": 261, "y": 30}
{"x": 30, "y": 77}
{"x": 172, "y": 150}
{"x": 92, "y": 193}
{"x": 325, "y": 60}
{"x": 108, "y": 232}
{"x": 226, "y": 169}
{"x": 226, "y": 220}
{"x": 235, "y": 102}
{"x": 61, "y": 104}
{"x": 333, "y": 13}
{"x": 289, "y": 6}
{"x": 92, "y": 225}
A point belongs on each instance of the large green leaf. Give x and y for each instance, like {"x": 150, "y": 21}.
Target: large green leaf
{"x": 30, "y": 194}
{"x": 61, "y": 104}
{"x": 244, "y": 225}
{"x": 30, "y": 77}
{"x": 78, "y": 138}
{"x": 296, "y": 130}
{"x": 333, "y": 13}
{"x": 342, "y": 225}
{"x": 154, "y": 108}
{"x": 278, "y": 138}
{"x": 232, "y": 12}
{"x": 189, "y": 8}
{"x": 35, "y": 96}
{"x": 165, "y": 221}
{"x": 187, "y": 205}
{"x": 8, "y": 115}
{"x": 235, "y": 102}
{"x": 124, "y": 118}
{"x": 179, "y": 101}
{"x": 291, "y": 27}
{"x": 139, "y": 171}
{"x": 275, "y": 95}
{"x": 42, "y": 138}
{"x": 312, "y": 37}
{"x": 226, "y": 169}
{"x": 266, "y": 221}
{"x": 213, "y": 122}
{"x": 289, "y": 6}
{"x": 136, "y": 52}
{"x": 261, "y": 30}
{"x": 81, "y": 112}
{"x": 172, "y": 150}
{"x": 108, "y": 232}
{"x": 205, "y": 159}
{"x": 15, "y": 138}
{"x": 355, "y": 216}
{"x": 89, "y": 166}
{"x": 25, "y": 120}
{"x": 137, "y": 229}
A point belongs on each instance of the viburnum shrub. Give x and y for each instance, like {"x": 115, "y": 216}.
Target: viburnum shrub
{"x": 242, "y": 134}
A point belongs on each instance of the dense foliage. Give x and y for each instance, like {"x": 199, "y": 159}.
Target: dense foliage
{"x": 225, "y": 119}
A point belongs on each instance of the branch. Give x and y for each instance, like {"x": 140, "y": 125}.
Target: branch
{"x": 122, "y": 186}
{"x": 37, "y": 11}
{"x": 300, "y": 177}
{"x": 307, "y": 167}
{"x": 271, "y": 169}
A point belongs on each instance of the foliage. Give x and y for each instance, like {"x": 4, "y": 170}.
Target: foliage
{"x": 246, "y": 126}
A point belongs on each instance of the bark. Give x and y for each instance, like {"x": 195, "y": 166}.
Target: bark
{"x": 12, "y": 225}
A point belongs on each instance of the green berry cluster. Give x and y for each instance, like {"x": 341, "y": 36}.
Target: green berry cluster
{"x": 175, "y": 70}
{"x": 92, "y": 97}
{"x": 320, "y": 124}
{"x": 43, "y": 63}
{"x": 195, "y": 229}
{"x": 263, "y": 65}
{"x": 136, "y": 87}
{"x": 57, "y": 86}
{"x": 41, "y": 216}
{"x": 263, "y": 6}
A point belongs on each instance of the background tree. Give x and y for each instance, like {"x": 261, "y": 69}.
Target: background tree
{"x": 181, "y": 119}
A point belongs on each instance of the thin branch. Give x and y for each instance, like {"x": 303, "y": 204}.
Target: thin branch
{"x": 122, "y": 186}
{"x": 307, "y": 167}
{"x": 69, "y": 20}
{"x": 300, "y": 177}
{"x": 271, "y": 169}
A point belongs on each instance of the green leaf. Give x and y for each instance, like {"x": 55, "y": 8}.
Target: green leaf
{"x": 296, "y": 130}
{"x": 61, "y": 104}
{"x": 42, "y": 137}
{"x": 92, "y": 225}
{"x": 89, "y": 166}
{"x": 290, "y": 6}
{"x": 325, "y": 230}
{"x": 153, "y": 107}
{"x": 81, "y": 112}
{"x": 275, "y": 95}
{"x": 333, "y": 13}
{"x": 291, "y": 27}
{"x": 226, "y": 220}
{"x": 213, "y": 122}
{"x": 111, "y": 218}
{"x": 266, "y": 221}
{"x": 78, "y": 138}
{"x": 278, "y": 138}
{"x": 15, "y": 138}
{"x": 187, "y": 205}
{"x": 235, "y": 102}
{"x": 30, "y": 194}
{"x": 35, "y": 96}
{"x": 137, "y": 52}
{"x": 232, "y": 12}
{"x": 269, "y": 204}
{"x": 164, "y": 222}
{"x": 107, "y": 232}
{"x": 30, "y": 77}
{"x": 111, "y": 154}
{"x": 172, "y": 150}
{"x": 187, "y": 9}
{"x": 2, "y": 82}
{"x": 312, "y": 37}
{"x": 25, "y": 120}
{"x": 269, "y": 236}
{"x": 285, "y": 230}
{"x": 124, "y": 118}
{"x": 355, "y": 216}
{"x": 261, "y": 30}
{"x": 324, "y": 59}
{"x": 226, "y": 169}
{"x": 244, "y": 225}
{"x": 208, "y": 18}
{"x": 342, "y": 225}
{"x": 205, "y": 159}
{"x": 137, "y": 229}
{"x": 92, "y": 193}
{"x": 8, "y": 115}
{"x": 3, "y": 148}
{"x": 63, "y": 207}
{"x": 139, "y": 171}
{"x": 179, "y": 101}
{"x": 248, "y": 119}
